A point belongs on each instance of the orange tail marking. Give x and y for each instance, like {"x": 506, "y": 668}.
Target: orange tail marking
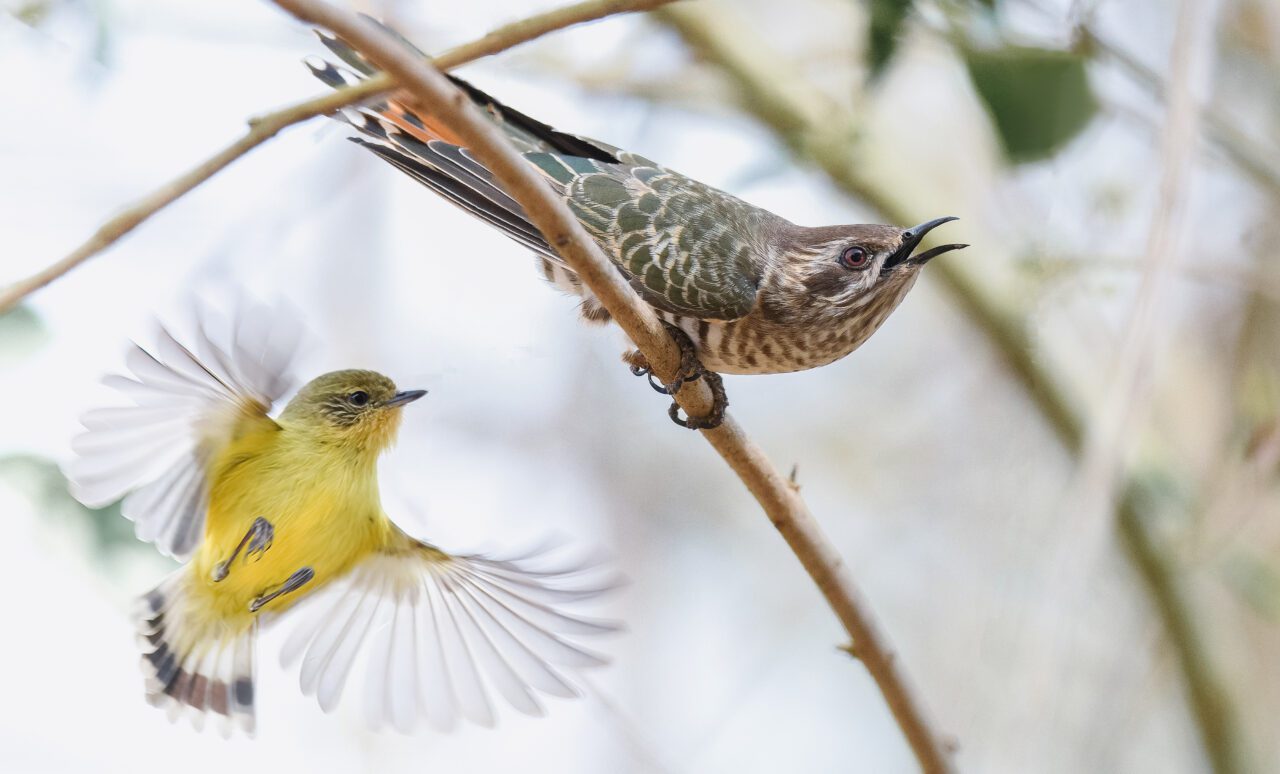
{"x": 398, "y": 112}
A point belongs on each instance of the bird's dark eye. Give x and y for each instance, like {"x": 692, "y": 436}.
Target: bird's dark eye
{"x": 854, "y": 258}
{"x": 358, "y": 398}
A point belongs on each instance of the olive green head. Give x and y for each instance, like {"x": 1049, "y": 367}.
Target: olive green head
{"x": 355, "y": 405}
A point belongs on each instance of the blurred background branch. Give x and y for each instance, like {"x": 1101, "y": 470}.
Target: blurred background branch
{"x": 817, "y": 131}
{"x": 1239, "y": 149}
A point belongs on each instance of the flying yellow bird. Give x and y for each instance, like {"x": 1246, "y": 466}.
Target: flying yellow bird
{"x": 270, "y": 512}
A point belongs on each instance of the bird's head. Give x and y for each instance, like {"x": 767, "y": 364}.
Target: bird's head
{"x": 839, "y": 267}
{"x": 355, "y": 409}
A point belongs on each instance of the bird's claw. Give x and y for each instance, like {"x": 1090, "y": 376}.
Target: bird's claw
{"x": 257, "y": 539}
{"x": 691, "y": 370}
{"x": 714, "y": 417}
{"x": 660, "y": 388}
{"x": 263, "y": 535}
{"x": 294, "y": 582}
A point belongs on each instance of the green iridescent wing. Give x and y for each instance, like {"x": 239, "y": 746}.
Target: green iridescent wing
{"x": 685, "y": 246}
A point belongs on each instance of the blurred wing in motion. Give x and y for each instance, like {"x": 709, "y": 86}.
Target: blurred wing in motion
{"x": 185, "y": 404}
{"x": 430, "y": 624}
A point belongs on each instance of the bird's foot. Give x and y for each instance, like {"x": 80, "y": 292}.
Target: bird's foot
{"x": 263, "y": 535}
{"x": 292, "y": 583}
{"x": 255, "y": 543}
{"x": 690, "y": 370}
{"x": 714, "y": 417}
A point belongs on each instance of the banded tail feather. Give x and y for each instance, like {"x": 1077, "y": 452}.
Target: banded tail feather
{"x": 636, "y": 210}
{"x": 193, "y": 665}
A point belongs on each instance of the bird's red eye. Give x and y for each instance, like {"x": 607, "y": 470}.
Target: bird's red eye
{"x": 854, "y": 258}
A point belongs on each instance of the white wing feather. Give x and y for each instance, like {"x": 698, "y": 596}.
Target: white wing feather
{"x": 435, "y": 633}
{"x": 185, "y": 400}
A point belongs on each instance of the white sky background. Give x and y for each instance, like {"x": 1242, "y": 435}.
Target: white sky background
{"x": 930, "y": 473}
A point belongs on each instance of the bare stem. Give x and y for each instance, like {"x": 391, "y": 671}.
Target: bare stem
{"x": 1112, "y": 434}
{"x": 770, "y": 91}
{"x": 266, "y": 126}
{"x": 780, "y": 501}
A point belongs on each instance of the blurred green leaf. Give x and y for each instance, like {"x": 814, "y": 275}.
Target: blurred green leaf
{"x": 1256, "y": 582}
{"x": 883, "y": 30}
{"x": 42, "y": 482}
{"x": 1039, "y": 99}
{"x": 21, "y": 333}
{"x": 33, "y": 12}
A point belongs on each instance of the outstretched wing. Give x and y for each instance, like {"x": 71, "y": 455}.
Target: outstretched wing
{"x": 686, "y": 247}
{"x": 432, "y": 629}
{"x": 186, "y": 402}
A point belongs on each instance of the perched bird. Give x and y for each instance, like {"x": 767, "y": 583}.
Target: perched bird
{"x": 268, "y": 513}
{"x": 752, "y": 292}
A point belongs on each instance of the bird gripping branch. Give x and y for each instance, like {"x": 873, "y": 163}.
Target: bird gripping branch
{"x": 743, "y": 291}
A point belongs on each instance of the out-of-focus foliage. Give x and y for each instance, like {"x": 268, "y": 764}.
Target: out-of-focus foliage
{"x": 31, "y": 12}
{"x": 1039, "y": 99}
{"x": 21, "y": 333}
{"x": 41, "y": 482}
{"x": 1257, "y": 583}
{"x": 883, "y": 28}
{"x": 885, "y": 22}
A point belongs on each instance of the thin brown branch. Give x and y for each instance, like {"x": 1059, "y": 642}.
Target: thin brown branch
{"x": 767, "y": 88}
{"x": 780, "y": 501}
{"x": 268, "y": 125}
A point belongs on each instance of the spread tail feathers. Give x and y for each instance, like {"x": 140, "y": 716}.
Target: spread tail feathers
{"x": 528, "y": 134}
{"x": 195, "y": 667}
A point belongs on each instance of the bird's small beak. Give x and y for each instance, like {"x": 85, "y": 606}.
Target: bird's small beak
{"x": 403, "y": 397}
{"x": 929, "y": 255}
{"x": 911, "y": 239}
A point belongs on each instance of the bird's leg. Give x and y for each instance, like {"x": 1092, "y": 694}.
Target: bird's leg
{"x": 255, "y": 543}
{"x": 690, "y": 370}
{"x": 293, "y": 583}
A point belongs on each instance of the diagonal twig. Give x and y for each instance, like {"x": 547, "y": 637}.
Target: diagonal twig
{"x": 780, "y": 501}
{"x": 268, "y": 125}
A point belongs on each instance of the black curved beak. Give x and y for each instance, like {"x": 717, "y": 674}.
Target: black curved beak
{"x": 403, "y": 397}
{"x": 911, "y": 239}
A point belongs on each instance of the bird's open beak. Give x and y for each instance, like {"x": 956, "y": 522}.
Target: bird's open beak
{"x": 403, "y": 397}
{"x": 911, "y": 239}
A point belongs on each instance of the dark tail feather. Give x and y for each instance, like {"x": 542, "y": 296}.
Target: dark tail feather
{"x": 527, "y": 130}
{"x": 194, "y": 667}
